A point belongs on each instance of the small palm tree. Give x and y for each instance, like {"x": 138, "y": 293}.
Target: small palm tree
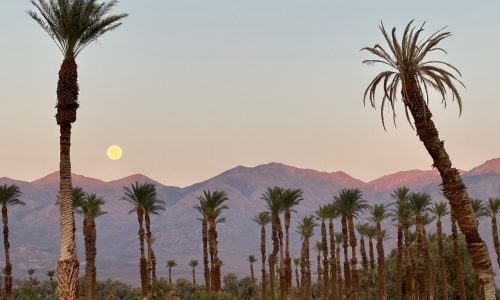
{"x": 323, "y": 213}
{"x": 379, "y": 212}
{"x": 262, "y": 219}
{"x": 170, "y": 264}
{"x": 439, "y": 210}
{"x": 72, "y": 25}
{"x": 51, "y": 274}
{"x": 30, "y": 274}
{"x": 251, "y": 259}
{"x": 90, "y": 208}
{"x": 492, "y": 210}
{"x": 193, "y": 264}
{"x": 306, "y": 229}
{"x": 9, "y": 196}
{"x": 409, "y": 77}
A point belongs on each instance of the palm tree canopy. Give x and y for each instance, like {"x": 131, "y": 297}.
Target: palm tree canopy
{"x": 363, "y": 228}
{"x": 406, "y": 61}
{"x": 350, "y": 202}
{"x": 91, "y": 206}
{"x": 143, "y": 195}
{"x": 439, "y": 209}
{"x": 212, "y": 204}
{"x": 318, "y": 246}
{"x": 273, "y": 197}
{"x": 371, "y": 232}
{"x": 339, "y": 238}
{"x": 493, "y": 207}
{"x": 193, "y": 263}
{"x": 251, "y": 259}
{"x": 479, "y": 208}
{"x": 171, "y": 263}
{"x": 296, "y": 261}
{"x": 290, "y": 198}
{"x": 74, "y": 24}
{"x": 51, "y": 273}
{"x": 420, "y": 202}
{"x": 9, "y": 195}
{"x": 30, "y": 271}
{"x": 306, "y": 226}
{"x": 379, "y": 212}
{"x": 263, "y": 218}
{"x": 401, "y": 209}
{"x": 427, "y": 218}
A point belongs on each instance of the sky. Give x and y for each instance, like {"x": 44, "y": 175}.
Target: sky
{"x": 190, "y": 89}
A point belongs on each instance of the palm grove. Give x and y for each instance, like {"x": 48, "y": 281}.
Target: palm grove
{"x": 75, "y": 24}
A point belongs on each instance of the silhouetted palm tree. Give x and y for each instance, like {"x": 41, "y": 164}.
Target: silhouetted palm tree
{"x": 30, "y": 272}
{"x": 51, "y": 274}
{"x": 72, "y": 25}
{"x": 306, "y": 229}
{"x": 411, "y": 75}
{"x": 9, "y": 196}
{"x": 262, "y": 219}
{"x": 170, "y": 264}
{"x": 251, "y": 259}
{"x": 193, "y": 264}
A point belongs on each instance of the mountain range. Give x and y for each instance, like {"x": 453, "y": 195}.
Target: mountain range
{"x": 34, "y": 228}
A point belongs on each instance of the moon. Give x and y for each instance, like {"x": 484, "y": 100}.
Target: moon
{"x": 114, "y": 152}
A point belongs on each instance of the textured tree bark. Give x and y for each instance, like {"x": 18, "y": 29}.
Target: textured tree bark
{"x": 288, "y": 261}
{"x": 281, "y": 266}
{"x": 399, "y": 262}
{"x": 211, "y": 249}
{"x": 89, "y": 233}
{"x": 333, "y": 264}
{"x": 206, "y": 268}
{"x": 372, "y": 268}
{"x": 430, "y": 276}
{"x": 494, "y": 232}
{"x": 364, "y": 261}
{"x": 410, "y": 279}
{"x": 149, "y": 260}
{"x": 303, "y": 272}
{"x": 142, "y": 259}
{"x": 422, "y": 291}
{"x": 382, "y": 291}
{"x": 347, "y": 269}
{"x": 442, "y": 264}
{"x": 6, "y": 244}
{"x": 354, "y": 261}
{"x": 263, "y": 254}
{"x": 453, "y": 187}
{"x": 324, "y": 241}
{"x": 320, "y": 276}
{"x": 459, "y": 277}
{"x": 274, "y": 253}
{"x": 340, "y": 283}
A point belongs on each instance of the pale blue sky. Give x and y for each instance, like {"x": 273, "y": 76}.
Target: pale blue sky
{"x": 192, "y": 88}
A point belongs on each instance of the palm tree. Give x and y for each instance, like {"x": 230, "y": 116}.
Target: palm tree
{"x": 362, "y": 230}
{"x": 493, "y": 209}
{"x": 272, "y": 197}
{"x": 457, "y": 261}
{"x": 306, "y": 229}
{"x": 323, "y": 213}
{"x": 410, "y": 71}
{"x": 9, "y": 196}
{"x": 251, "y": 259}
{"x": 51, "y": 274}
{"x": 170, "y": 264}
{"x": 289, "y": 199}
{"x": 204, "y": 234}
{"x": 339, "y": 238}
{"x": 332, "y": 213}
{"x": 193, "y": 264}
{"x": 371, "y": 234}
{"x": 439, "y": 210}
{"x": 72, "y": 25}
{"x": 420, "y": 204}
{"x": 380, "y": 212}
{"x": 318, "y": 247}
{"x": 262, "y": 219}
{"x": 30, "y": 274}
{"x": 350, "y": 204}
{"x": 401, "y": 213}
{"x": 213, "y": 205}
{"x": 90, "y": 208}
{"x": 140, "y": 196}
{"x": 296, "y": 262}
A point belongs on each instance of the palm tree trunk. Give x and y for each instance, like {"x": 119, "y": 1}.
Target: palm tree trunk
{"x": 6, "y": 244}
{"x": 251, "y": 272}
{"x": 453, "y": 187}
{"x": 372, "y": 267}
{"x": 347, "y": 269}
{"x": 364, "y": 259}
{"x": 421, "y": 261}
{"x": 273, "y": 255}
{"x": 354, "y": 261}
{"x": 206, "y": 268}
{"x": 320, "y": 276}
{"x": 169, "y": 275}
{"x": 442, "y": 263}
{"x": 193, "y": 291}
{"x": 410, "y": 279}
{"x": 89, "y": 233}
{"x": 153, "y": 266}
{"x": 142, "y": 260}
{"x": 217, "y": 262}
{"x": 494, "y": 232}
{"x": 282, "y": 277}
{"x": 382, "y": 291}
{"x": 399, "y": 262}
{"x": 211, "y": 249}
{"x": 459, "y": 277}
{"x": 147, "y": 222}
{"x": 288, "y": 260}
{"x": 324, "y": 241}
{"x": 297, "y": 282}
{"x": 430, "y": 276}
{"x": 340, "y": 283}
{"x": 263, "y": 254}
{"x": 308, "y": 270}
{"x": 333, "y": 264}
{"x": 303, "y": 272}
{"x": 67, "y": 104}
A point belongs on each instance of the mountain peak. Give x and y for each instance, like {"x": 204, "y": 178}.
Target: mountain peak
{"x": 489, "y": 166}
{"x": 78, "y": 180}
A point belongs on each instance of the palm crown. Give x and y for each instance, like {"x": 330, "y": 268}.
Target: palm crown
{"x": 439, "y": 209}
{"x": 91, "y": 206}
{"x": 306, "y": 226}
{"x": 350, "y": 202}
{"x": 212, "y": 204}
{"x": 493, "y": 207}
{"x": 9, "y": 195}
{"x": 142, "y": 196}
{"x": 263, "y": 218}
{"x": 74, "y": 24}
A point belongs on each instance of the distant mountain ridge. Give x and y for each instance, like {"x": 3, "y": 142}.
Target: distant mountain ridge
{"x": 35, "y": 227}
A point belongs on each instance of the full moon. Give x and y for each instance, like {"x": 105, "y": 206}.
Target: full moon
{"x": 114, "y": 152}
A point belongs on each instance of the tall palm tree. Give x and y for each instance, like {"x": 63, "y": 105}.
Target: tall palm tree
{"x": 296, "y": 262}
{"x": 72, "y": 25}
{"x": 401, "y": 214}
{"x": 323, "y": 213}
{"x": 289, "y": 199}
{"x": 193, "y": 264}
{"x": 272, "y": 197}
{"x": 140, "y": 195}
{"x": 90, "y": 208}
{"x": 30, "y": 272}
{"x": 51, "y": 274}
{"x": 350, "y": 204}
{"x": 9, "y": 196}
{"x": 420, "y": 205}
{"x": 262, "y": 219}
{"x": 213, "y": 204}
{"x": 318, "y": 247}
{"x": 493, "y": 209}
{"x": 251, "y": 259}
{"x": 306, "y": 229}
{"x": 379, "y": 212}
{"x": 170, "y": 264}
{"x": 332, "y": 213}
{"x": 411, "y": 75}
{"x": 362, "y": 230}
{"x": 204, "y": 234}
{"x": 371, "y": 234}
{"x": 439, "y": 210}
{"x": 339, "y": 239}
